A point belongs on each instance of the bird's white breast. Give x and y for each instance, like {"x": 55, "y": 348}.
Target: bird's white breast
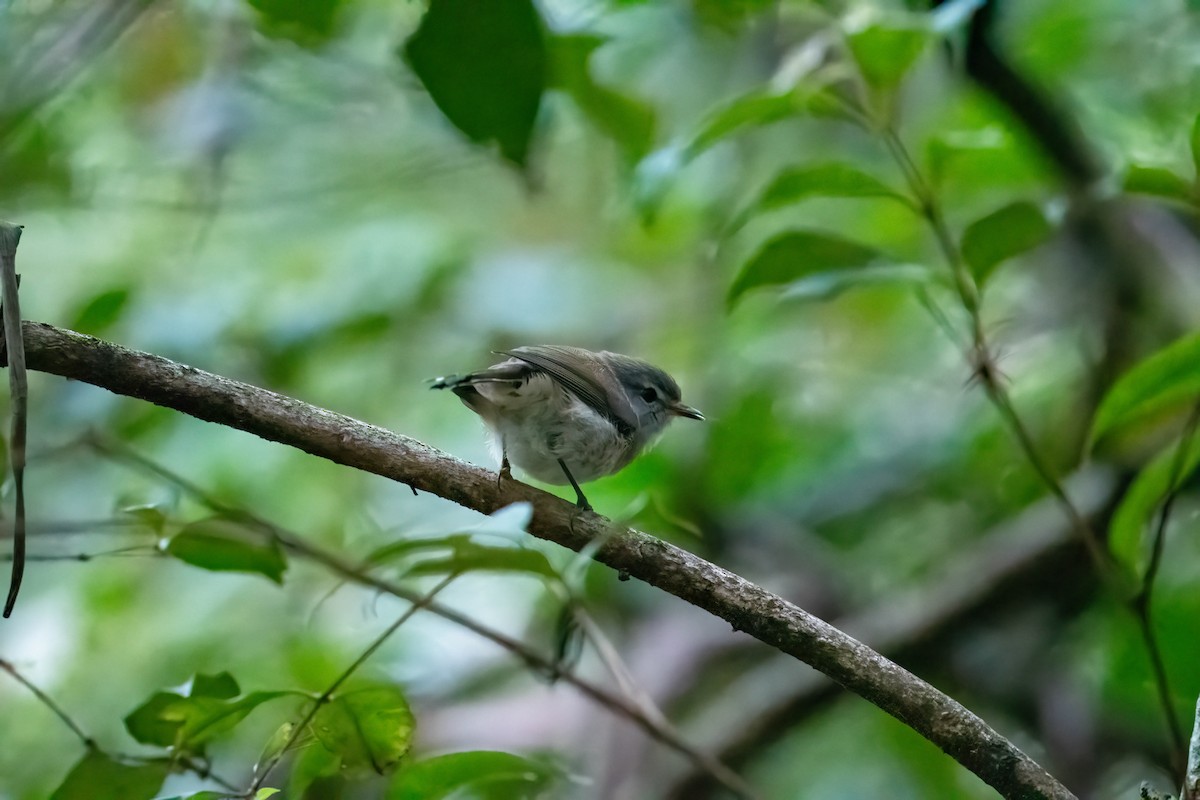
{"x": 539, "y": 422}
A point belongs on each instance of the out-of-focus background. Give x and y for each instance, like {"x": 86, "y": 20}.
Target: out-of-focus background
{"x": 270, "y": 191}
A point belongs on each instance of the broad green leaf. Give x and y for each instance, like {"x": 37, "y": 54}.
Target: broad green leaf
{"x": 221, "y": 686}
{"x": 202, "y": 719}
{"x": 629, "y": 122}
{"x": 1007, "y": 232}
{"x": 1159, "y": 182}
{"x": 486, "y": 774}
{"x": 98, "y": 777}
{"x": 222, "y": 544}
{"x": 367, "y": 729}
{"x": 101, "y": 311}
{"x": 306, "y": 22}
{"x": 825, "y": 180}
{"x": 799, "y": 254}
{"x": 459, "y": 553}
{"x": 1169, "y": 378}
{"x": 314, "y": 770}
{"x": 265, "y": 792}
{"x": 485, "y": 66}
{"x": 754, "y": 109}
{"x": 1131, "y": 525}
{"x": 210, "y": 707}
{"x": 827, "y": 285}
{"x": 147, "y": 724}
{"x": 1194, "y": 140}
{"x": 885, "y": 49}
{"x": 975, "y": 154}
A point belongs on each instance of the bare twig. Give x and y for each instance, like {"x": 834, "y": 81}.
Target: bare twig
{"x": 18, "y": 387}
{"x": 49, "y": 703}
{"x": 750, "y": 608}
{"x": 652, "y": 722}
{"x": 1011, "y": 555}
{"x": 980, "y": 357}
{"x": 1140, "y": 604}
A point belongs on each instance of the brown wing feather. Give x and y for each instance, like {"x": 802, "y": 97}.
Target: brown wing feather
{"x": 580, "y": 372}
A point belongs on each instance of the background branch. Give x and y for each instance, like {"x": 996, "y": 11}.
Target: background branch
{"x": 767, "y": 617}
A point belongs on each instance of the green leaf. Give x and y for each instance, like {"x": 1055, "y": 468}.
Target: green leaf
{"x": 211, "y": 707}
{"x": 205, "y": 718}
{"x": 825, "y": 180}
{"x": 1129, "y": 531}
{"x": 1007, "y": 232}
{"x": 886, "y": 49}
{"x": 628, "y": 122}
{"x": 221, "y": 686}
{"x": 1158, "y": 182}
{"x": 222, "y": 544}
{"x": 487, "y": 774}
{"x": 459, "y": 553}
{"x": 485, "y": 66}
{"x": 750, "y": 110}
{"x": 147, "y": 724}
{"x": 98, "y": 777}
{"x": 306, "y": 22}
{"x": 101, "y": 312}
{"x": 314, "y": 769}
{"x": 827, "y": 285}
{"x": 1168, "y": 378}
{"x": 367, "y": 729}
{"x": 265, "y": 792}
{"x": 799, "y": 254}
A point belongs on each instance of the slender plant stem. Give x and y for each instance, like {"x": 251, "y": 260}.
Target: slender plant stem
{"x": 189, "y": 764}
{"x": 657, "y": 728}
{"x": 1141, "y": 603}
{"x": 49, "y": 703}
{"x": 989, "y": 376}
{"x": 981, "y": 354}
{"x": 301, "y": 726}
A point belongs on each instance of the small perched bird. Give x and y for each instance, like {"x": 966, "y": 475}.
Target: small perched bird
{"x": 569, "y": 415}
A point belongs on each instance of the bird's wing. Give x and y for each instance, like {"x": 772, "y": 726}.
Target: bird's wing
{"x": 579, "y": 372}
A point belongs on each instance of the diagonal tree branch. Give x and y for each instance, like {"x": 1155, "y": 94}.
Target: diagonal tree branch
{"x": 747, "y": 607}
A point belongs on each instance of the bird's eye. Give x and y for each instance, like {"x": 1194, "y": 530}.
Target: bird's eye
{"x": 649, "y": 394}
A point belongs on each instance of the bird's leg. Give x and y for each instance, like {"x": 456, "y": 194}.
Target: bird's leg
{"x": 580, "y": 500}
{"x": 505, "y": 467}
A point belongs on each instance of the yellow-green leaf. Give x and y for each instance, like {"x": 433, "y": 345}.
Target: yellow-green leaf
{"x": 1170, "y": 377}
{"x": 1006, "y": 232}
{"x": 222, "y": 544}
{"x": 798, "y": 254}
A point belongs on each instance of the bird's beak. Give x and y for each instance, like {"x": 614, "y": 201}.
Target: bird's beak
{"x": 680, "y": 410}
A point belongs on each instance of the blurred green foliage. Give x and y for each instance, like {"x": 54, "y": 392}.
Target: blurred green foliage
{"x": 339, "y": 200}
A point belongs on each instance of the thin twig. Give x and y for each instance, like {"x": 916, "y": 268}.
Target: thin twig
{"x": 981, "y": 354}
{"x": 200, "y": 770}
{"x": 300, "y": 727}
{"x": 1140, "y": 604}
{"x": 49, "y": 703}
{"x": 963, "y": 735}
{"x": 18, "y": 387}
{"x": 653, "y": 724}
